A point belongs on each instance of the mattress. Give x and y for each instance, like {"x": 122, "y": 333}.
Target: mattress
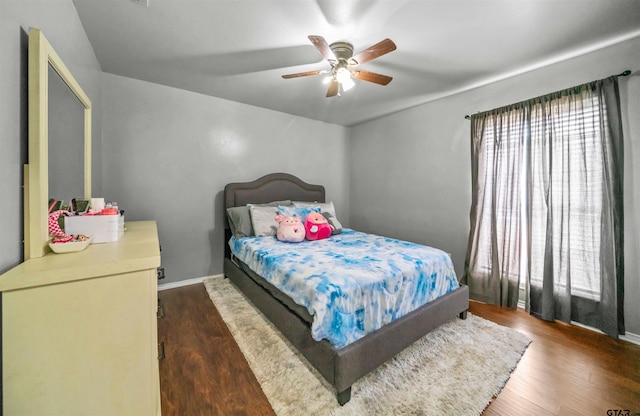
{"x": 352, "y": 283}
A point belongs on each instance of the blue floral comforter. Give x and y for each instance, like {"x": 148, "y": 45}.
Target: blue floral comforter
{"x": 352, "y": 283}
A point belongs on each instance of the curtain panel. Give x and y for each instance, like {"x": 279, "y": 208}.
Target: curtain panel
{"x": 547, "y": 204}
{"x": 493, "y": 264}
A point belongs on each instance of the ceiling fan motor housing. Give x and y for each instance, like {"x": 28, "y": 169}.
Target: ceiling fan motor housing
{"x": 342, "y": 50}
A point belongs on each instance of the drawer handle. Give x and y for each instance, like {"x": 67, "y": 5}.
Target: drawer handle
{"x": 162, "y": 355}
{"x": 160, "y": 313}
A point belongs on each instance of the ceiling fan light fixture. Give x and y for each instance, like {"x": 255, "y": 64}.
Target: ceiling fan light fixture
{"x": 343, "y": 75}
{"x": 347, "y": 84}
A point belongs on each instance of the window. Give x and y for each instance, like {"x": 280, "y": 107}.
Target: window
{"x": 547, "y": 207}
{"x": 565, "y": 142}
{"x": 567, "y": 175}
{"x": 503, "y": 138}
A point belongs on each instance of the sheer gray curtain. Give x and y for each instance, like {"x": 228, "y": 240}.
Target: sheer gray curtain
{"x": 565, "y": 220}
{"x": 494, "y": 255}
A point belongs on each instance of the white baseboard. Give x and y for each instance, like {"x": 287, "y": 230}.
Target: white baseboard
{"x": 629, "y": 337}
{"x": 182, "y": 283}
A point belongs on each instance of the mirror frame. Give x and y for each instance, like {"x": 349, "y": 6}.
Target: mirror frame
{"x": 36, "y": 173}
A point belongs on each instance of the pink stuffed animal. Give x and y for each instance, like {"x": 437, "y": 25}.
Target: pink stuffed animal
{"x": 290, "y": 229}
{"x": 317, "y": 227}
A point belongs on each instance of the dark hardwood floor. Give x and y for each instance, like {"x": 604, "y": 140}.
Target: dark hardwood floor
{"x": 203, "y": 372}
{"x": 567, "y": 370}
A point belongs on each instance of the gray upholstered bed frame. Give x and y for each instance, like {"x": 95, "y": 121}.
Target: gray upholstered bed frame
{"x": 340, "y": 367}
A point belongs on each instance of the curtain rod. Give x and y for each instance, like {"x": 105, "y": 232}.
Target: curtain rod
{"x": 625, "y": 73}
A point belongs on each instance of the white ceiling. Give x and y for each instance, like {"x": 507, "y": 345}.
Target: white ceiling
{"x": 238, "y": 49}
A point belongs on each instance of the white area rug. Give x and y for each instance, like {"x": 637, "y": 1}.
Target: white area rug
{"x": 455, "y": 370}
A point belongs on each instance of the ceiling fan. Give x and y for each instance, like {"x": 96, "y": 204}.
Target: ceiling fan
{"x": 344, "y": 65}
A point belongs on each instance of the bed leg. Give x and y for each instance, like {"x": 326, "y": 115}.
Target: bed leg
{"x": 344, "y": 396}
{"x": 463, "y": 315}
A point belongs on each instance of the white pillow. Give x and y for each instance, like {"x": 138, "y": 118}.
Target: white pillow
{"x": 263, "y": 220}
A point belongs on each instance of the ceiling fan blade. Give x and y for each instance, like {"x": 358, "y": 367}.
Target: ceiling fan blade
{"x": 323, "y": 47}
{"x": 303, "y": 74}
{"x": 334, "y": 88}
{"x": 371, "y": 77}
{"x": 379, "y": 49}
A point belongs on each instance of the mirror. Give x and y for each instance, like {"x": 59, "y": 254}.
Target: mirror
{"x": 64, "y": 142}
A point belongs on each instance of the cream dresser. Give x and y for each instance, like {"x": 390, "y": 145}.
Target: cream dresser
{"x": 80, "y": 330}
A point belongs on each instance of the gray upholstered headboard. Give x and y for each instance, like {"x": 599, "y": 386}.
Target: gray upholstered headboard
{"x": 272, "y": 187}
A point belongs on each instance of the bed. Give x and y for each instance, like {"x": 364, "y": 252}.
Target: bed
{"x": 340, "y": 366}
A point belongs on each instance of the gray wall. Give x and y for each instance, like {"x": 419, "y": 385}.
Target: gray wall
{"x": 168, "y": 153}
{"x": 59, "y": 22}
{"x": 410, "y": 172}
